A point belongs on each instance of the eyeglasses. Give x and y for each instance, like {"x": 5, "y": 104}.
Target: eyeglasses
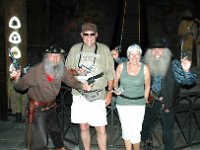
{"x": 89, "y": 34}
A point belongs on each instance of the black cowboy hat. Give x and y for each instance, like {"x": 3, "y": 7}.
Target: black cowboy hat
{"x": 54, "y": 48}
{"x": 158, "y": 42}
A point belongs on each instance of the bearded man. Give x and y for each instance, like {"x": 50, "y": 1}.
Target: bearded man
{"x": 166, "y": 76}
{"x": 43, "y": 83}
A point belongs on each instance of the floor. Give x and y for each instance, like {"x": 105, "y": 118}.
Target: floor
{"x": 12, "y": 137}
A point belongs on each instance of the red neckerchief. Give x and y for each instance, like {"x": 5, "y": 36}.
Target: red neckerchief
{"x": 50, "y": 77}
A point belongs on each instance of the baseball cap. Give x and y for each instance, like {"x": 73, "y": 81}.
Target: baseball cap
{"x": 88, "y": 26}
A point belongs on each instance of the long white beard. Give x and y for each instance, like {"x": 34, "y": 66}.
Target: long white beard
{"x": 55, "y": 70}
{"x": 158, "y": 66}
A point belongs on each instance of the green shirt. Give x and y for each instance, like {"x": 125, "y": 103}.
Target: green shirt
{"x": 133, "y": 86}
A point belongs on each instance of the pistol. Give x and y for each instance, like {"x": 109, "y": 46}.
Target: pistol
{"x": 93, "y": 78}
{"x": 14, "y": 60}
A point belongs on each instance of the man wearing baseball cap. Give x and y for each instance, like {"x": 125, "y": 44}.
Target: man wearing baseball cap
{"x": 43, "y": 83}
{"x": 166, "y": 76}
{"x": 91, "y": 59}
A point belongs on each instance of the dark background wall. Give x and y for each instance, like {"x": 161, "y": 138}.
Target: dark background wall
{"x": 164, "y": 16}
{"x": 60, "y": 21}
{"x": 3, "y": 83}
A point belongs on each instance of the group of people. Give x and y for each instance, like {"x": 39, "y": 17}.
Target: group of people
{"x": 132, "y": 82}
{"x": 153, "y": 81}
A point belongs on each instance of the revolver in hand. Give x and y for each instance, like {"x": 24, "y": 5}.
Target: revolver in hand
{"x": 14, "y": 60}
{"x": 93, "y": 78}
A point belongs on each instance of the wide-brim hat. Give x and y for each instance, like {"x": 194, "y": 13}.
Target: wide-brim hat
{"x": 158, "y": 42}
{"x": 54, "y": 48}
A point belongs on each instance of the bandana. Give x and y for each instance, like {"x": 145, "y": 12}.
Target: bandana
{"x": 50, "y": 78}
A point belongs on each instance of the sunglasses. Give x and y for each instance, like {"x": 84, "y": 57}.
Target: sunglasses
{"x": 88, "y": 34}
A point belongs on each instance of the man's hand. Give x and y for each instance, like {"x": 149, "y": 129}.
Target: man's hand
{"x": 86, "y": 87}
{"x": 72, "y": 72}
{"x": 185, "y": 64}
{"x": 81, "y": 71}
{"x": 15, "y": 74}
{"x": 108, "y": 98}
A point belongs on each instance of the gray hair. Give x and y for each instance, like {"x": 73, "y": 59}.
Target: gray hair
{"x": 134, "y": 47}
{"x": 158, "y": 66}
{"x": 57, "y": 71}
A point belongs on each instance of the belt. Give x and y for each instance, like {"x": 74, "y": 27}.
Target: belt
{"x": 132, "y": 98}
{"x": 92, "y": 91}
{"x": 45, "y": 105}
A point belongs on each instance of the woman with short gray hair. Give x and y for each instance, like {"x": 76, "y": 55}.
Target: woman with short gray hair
{"x": 132, "y": 95}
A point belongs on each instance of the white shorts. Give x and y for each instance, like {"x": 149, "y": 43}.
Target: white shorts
{"x": 94, "y": 113}
{"x": 131, "y": 118}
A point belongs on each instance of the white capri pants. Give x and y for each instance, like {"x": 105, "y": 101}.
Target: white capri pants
{"x": 94, "y": 113}
{"x": 131, "y": 118}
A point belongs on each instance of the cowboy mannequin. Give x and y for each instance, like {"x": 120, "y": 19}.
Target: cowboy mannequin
{"x": 166, "y": 75}
{"x": 43, "y": 82}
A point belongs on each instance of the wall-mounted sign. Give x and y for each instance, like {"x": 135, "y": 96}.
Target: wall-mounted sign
{"x": 16, "y": 52}
{"x": 15, "y": 38}
{"x": 14, "y": 23}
